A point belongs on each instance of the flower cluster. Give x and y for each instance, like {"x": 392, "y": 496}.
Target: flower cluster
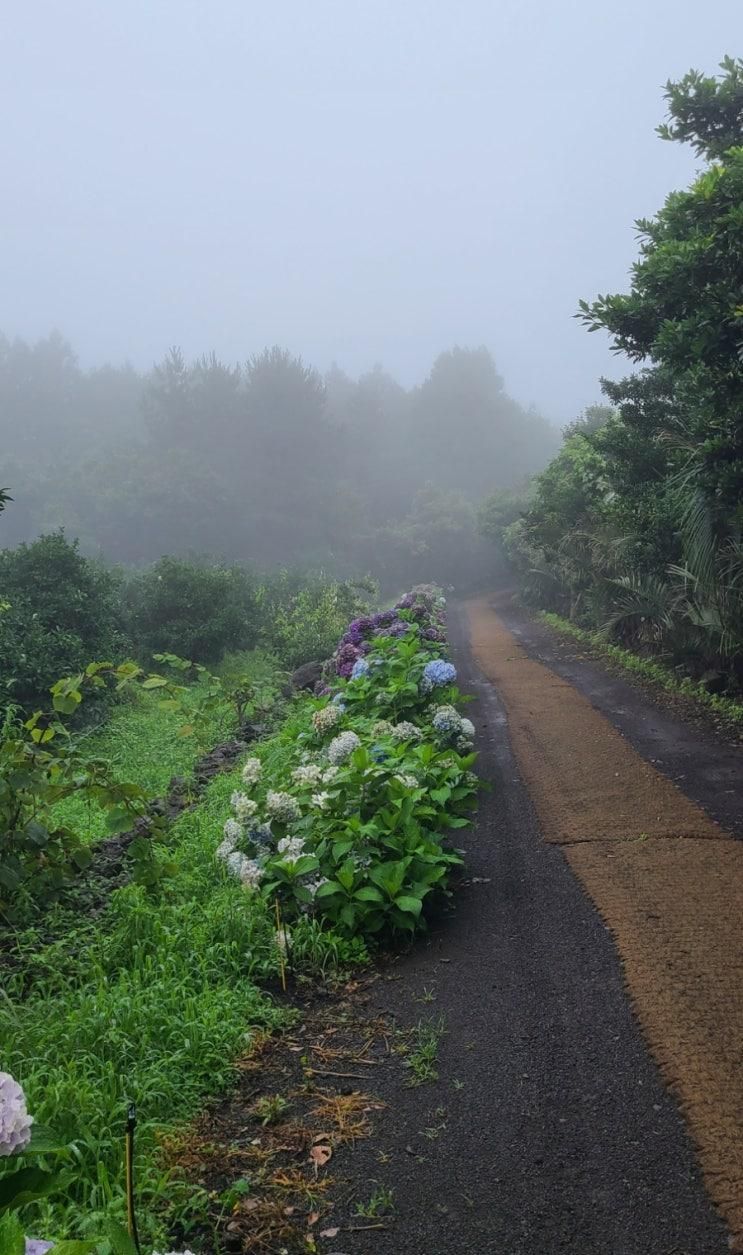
{"x": 342, "y": 746}
{"x": 449, "y": 724}
{"x": 251, "y": 772}
{"x": 422, "y": 605}
{"x": 437, "y": 674}
{"x": 291, "y": 848}
{"x": 282, "y": 807}
{"x": 326, "y": 718}
{"x": 307, "y": 776}
{"x": 243, "y": 806}
{"x": 15, "y": 1122}
{"x": 332, "y": 796}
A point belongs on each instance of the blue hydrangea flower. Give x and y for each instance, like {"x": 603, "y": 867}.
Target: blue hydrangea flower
{"x": 338, "y": 699}
{"x": 437, "y": 674}
{"x": 447, "y": 720}
{"x": 359, "y": 669}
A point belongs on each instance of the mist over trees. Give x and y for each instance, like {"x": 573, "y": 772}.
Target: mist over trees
{"x": 264, "y": 462}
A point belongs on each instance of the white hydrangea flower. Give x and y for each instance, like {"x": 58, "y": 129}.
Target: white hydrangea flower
{"x": 235, "y": 862}
{"x": 407, "y": 780}
{"x": 251, "y": 873}
{"x": 283, "y": 939}
{"x": 15, "y": 1122}
{"x": 468, "y": 729}
{"x": 342, "y": 746}
{"x": 291, "y": 848}
{"x": 309, "y": 775}
{"x": 382, "y": 727}
{"x": 282, "y": 807}
{"x": 329, "y": 775}
{"x": 326, "y": 718}
{"x": 243, "y": 806}
{"x": 224, "y": 850}
{"x": 405, "y": 731}
{"x": 232, "y": 831}
{"x": 313, "y": 885}
{"x": 251, "y": 772}
{"x": 320, "y": 800}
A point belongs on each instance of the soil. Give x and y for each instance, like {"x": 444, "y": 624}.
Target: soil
{"x": 549, "y": 1127}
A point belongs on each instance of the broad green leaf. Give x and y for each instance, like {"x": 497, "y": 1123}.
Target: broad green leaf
{"x": 411, "y": 906}
{"x": 44, "y": 1141}
{"x": 25, "y": 1185}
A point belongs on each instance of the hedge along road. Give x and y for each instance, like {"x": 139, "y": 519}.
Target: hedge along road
{"x": 549, "y": 1130}
{"x": 668, "y": 882}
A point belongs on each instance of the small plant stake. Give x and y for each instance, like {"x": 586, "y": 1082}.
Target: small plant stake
{"x": 131, "y": 1219}
{"x": 280, "y": 933}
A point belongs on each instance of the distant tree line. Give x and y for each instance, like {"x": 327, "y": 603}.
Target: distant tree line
{"x": 264, "y": 463}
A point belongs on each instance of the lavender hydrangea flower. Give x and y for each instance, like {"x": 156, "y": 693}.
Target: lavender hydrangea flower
{"x": 37, "y": 1246}
{"x": 15, "y": 1122}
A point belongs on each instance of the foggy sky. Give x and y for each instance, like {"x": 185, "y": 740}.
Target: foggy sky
{"x": 358, "y": 180}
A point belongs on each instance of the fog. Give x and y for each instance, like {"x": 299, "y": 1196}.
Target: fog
{"x": 361, "y": 182}
{"x": 366, "y": 186}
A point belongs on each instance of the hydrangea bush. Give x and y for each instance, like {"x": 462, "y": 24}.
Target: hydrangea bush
{"x": 349, "y": 822}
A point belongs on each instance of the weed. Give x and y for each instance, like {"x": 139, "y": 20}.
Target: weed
{"x": 422, "y": 1051}
{"x": 381, "y": 1203}
{"x": 270, "y": 1109}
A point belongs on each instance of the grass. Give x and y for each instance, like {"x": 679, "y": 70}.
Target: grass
{"x": 727, "y": 708}
{"x": 380, "y": 1203}
{"x": 142, "y": 743}
{"x": 423, "y": 1051}
{"x": 150, "y": 1003}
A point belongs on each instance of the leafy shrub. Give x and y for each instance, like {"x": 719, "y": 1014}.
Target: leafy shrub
{"x": 348, "y": 807}
{"x": 59, "y": 611}
{"x": 304, "y": 612}
{"x": 197, "y": 611}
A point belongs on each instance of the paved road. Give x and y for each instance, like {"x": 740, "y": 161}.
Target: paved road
{"x": 549, "y": 1129}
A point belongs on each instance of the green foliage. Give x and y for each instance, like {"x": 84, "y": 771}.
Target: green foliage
{"x": 61, "y": 611}
{"x": 41, "y": 765}
{"x": 149, "y": 1002}
{"x": 194, "y": 610}
{"x": 370, "y": 827}
{"x": 303, "y": 613}
{"x": 730, "y": 711}
{"x": 636, "y": 527}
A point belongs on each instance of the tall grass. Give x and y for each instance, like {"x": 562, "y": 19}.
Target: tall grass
{"x": 149, "y": 1003}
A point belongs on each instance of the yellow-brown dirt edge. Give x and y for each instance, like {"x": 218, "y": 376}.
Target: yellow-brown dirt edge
{"x": 673, "y": 906}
